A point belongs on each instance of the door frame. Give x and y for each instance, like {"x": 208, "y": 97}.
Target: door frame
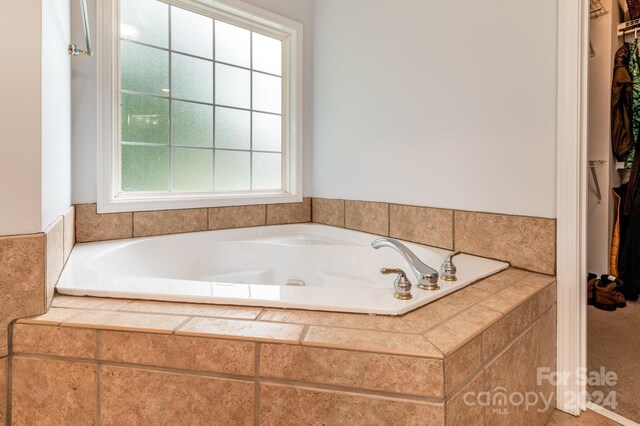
{"x": 572, "y": 102}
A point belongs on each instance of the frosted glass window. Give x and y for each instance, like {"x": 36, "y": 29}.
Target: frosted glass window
{"x": 191, "y": 33}
{"x": 267, "y": 93}
{"x": 233, "y": 128}
{"x": 232, "y": 171}
{"x": 192, "y": 124}
{"x": 192, "y": 169}
{"x": 144, "y": 69}
{"x": 267, "y": 172}
{"x": 267, "y": 54}
{"x": 200, "y": 102}
{"x": 233, "y": 86}
{"x": 233, "y": 44}
{"x": 267, "y": 132}
{"x": 145, "y": 21}
{"x": 145, "y": 168}
{"x": 191, "y": 78}
{"x": 144, "y": 119}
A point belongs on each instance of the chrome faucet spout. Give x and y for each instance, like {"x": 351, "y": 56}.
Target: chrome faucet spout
{"x": 424, "y": 273}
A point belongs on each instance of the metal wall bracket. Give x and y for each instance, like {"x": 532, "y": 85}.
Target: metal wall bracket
{"x": 75, "y": 50}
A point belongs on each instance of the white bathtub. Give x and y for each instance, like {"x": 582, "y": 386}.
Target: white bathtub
{"x": 304, "y": 266}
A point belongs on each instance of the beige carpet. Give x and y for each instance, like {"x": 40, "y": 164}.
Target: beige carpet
{"x": 613, "y": 342}
{"x": 588, "y": 418}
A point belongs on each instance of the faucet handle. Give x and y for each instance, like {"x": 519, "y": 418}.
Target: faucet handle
{"x": 401, "y": 285}
{"x": 448, "y": 269}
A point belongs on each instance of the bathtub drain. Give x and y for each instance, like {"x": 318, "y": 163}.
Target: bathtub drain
{"x": 297, "y": 283}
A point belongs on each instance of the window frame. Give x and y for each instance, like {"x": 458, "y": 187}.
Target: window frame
{"x": 110, "y": 197}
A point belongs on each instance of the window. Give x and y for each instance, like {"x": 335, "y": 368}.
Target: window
{"x": 199, "y": 105}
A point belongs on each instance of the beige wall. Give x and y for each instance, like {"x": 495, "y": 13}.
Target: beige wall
{"x": 604, "y": 42}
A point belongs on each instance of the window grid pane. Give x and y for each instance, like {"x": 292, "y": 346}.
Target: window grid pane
{"x": 240, "y": 155}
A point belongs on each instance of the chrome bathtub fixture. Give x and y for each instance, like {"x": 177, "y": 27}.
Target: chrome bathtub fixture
{"x": 448, "y": 269}
{"x": 75, "y": 50}
{"x": 401, "y": 285}
{"x": 427, "y": 277}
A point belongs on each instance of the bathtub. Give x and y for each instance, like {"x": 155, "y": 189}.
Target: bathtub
{"x": 305, "y": 266}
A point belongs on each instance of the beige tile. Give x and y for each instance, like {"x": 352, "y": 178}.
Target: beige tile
{"x": 3, "y": 390}
{"x": 372, "y": 341}
{"x": 427, "y": 317}
{"x": 502, "y": 279}
{"x": 513, "y": 323}
{"x": 112, "y": 320}
{"x": 422, "y": 225}
{"x": 367, "y": 216}
{"x": 237, "y": 217}
{"x": 464, "y": 408}
{"x": 525, "y": 242}
{"x": 516, "y": 370}
{"x": 182, "y": 352}
{"x": 334, "y": 319}
{"x": 54, "y": 340}
{"x": 328, "y": 212}
{"x": 22, "y": 280}
{"x": 69, "y": 224}
{"x": 462, "y": 364}
{"x": 54, "y": 240}
{"x": 166, "y": 222}
{"x": 86, "y": 302}
{"x": 91, "y": 226}
{"x": 51, "y": 392}
{"x": 358, "y": 370}
{"x": 278, "y": 214}
{"x": 192, "y": 309}
{"x": 245, "y": 330}
{"x": 457, "y": 331}
{"x": 138, "y": 397}
{"x": 511, "y": 297}
{"x": 539, "y": 280}
{"x": 54, "y": 316}
{"x": 281, "y": 405}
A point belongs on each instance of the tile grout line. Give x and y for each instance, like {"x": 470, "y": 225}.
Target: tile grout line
{"x": 98, "y": 376}
{"x": 256, "y": 385}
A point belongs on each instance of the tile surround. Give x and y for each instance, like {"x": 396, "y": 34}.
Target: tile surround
{"x": 278, "y": 214}
{"x": 232, "y": 329}
{"x": 237, "y": 217}
{"x": 69, "y": 223}
{"x": 22, "y": 280}
{"x": 328, "y": 212}
{"x": 166, "y": 222}
{"x": 433, "y": 227}
{"x": 367, "y": 340}
{"x": 367, "y": 216}
{"x": 107, "y": 320}
{"x": 281, "y": 405}
{"x": 142, "y": 397}
{"x": 55, "y": 341}
{"x": 179, "y": 352}
{"x": 526, "y": 242}
{"x": 52, "y": 392}
{"x": 358, "y": 370}
{"x": 338, "y": 373}
{"x": 54, "y": 252}
{"x": 91, "y": 226}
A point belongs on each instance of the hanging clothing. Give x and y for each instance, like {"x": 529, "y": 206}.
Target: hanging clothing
{"x": 617, "y": 239}
{"x": 622, "y": 139}
{"x": 632, "y": 163}
{"x": 629, "y": 254}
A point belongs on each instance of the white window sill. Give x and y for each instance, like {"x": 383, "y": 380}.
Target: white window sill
{"x": 149, "y": 202}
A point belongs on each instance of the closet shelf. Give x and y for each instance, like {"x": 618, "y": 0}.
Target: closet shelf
{"x": 625, "y": 27}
